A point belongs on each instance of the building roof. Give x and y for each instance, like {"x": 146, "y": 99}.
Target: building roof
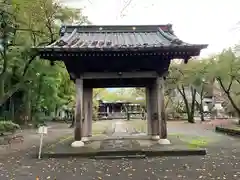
{"x": 119, "y": 38}
{"x": 114, "y": 102}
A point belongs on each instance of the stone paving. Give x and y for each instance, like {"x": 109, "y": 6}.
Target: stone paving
{"x": 221, "y": 162}
{"x": 119, "y": 129}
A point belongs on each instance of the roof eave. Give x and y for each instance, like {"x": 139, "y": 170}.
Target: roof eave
{"x": 192, "y": 47}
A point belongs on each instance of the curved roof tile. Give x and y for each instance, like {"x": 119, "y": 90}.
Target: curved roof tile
{"x": 118, "y": 37}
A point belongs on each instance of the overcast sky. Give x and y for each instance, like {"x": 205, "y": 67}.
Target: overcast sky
{"x": 195, "y": 21}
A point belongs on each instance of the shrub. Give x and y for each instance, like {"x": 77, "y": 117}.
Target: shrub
{"x": 8, "y": 126}
{"x": 2, "y": 129}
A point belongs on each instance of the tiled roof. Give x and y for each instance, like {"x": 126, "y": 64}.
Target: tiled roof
{"x": 118, "y": 38}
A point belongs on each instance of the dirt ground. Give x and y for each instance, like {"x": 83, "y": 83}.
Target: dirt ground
{"x": 221, "y": 162}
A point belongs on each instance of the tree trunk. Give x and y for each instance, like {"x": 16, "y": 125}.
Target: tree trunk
{"x": 201, "y": 111}
{"x": 234, "y": 106}
{"x": 193, "y": 93}
{"x": 12, "y": 108}
{"x": 73, "y": 122}
{"x": 4, "y": 96}
{"x": 201, "y": 106}
{"x": 190, "y": 111}
{"x": 27, "y": 107}
{"x": 227, "y": 92}
{"x": 9, "y": 94}
{"x": 2, "y": 92}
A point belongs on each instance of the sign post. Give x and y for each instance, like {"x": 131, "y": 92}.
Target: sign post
{"x": 41, "y": 130}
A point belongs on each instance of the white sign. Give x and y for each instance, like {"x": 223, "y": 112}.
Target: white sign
{"x": 42, "y": 130}
{"x": 218, "y": 106}
{"x": 205, "y": 109}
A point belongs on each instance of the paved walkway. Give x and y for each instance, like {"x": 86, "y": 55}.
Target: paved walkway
{"x": 222, "y": 162}
{"x": 119, "y": 129}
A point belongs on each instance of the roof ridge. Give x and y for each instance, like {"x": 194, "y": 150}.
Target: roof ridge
{"x": 106, "y": 25}
{"x": 115, "y": 28}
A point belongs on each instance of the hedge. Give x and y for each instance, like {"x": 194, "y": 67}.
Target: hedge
{"x": 8, "y": 126}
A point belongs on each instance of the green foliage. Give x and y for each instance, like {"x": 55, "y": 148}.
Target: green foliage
{"x": 35, "y": 86}
{"x": 27, "y": 23}
{"x": 215, "y": 76}
{"x": 122, "y": 94}
{"x": 226, "y": 70}
{"x": 8, "y": 126}
{"x": 184, "y": 80}
{"x": 132, "y": 95}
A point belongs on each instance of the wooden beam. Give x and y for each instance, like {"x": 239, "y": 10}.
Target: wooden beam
{"x": 127, "y": 82}
{"x": 117, "y": 75}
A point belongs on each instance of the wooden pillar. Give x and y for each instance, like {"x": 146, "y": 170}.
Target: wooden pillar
{"x": 107, "y": 107}
{"x": 149, "y": 110}
{"x": 87, "y": 121}
{"x": 159, "y": 98}
{"x": 90, "y": 112}
{"x": 79, "y": 110}
{"x": 163, "y": 122}
{"x": 156, "y": 110}
{"x": 128, "y": 113}
{"x": 160, "y": 111}
{"x": 155, "y": 113}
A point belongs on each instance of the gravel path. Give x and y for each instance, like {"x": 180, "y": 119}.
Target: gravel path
{"x": 221, "y": 162}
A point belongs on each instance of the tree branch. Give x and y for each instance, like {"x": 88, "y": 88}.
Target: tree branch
{"x": 4, "y": 57}
{"x": 49, "y": 23}
{"x": 226, "y": 90}
{"x": 28, "y": 64}
{"x": 29, "y": 30}
{"x": 230, "y": 84}
{"x": 125, "y": 7}
{"x": 10, "y": 93}
{"x": 238, "y": 81}
{"x": 182, "y": 92}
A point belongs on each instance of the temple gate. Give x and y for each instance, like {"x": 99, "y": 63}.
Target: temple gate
{"x": 118, "y": 56}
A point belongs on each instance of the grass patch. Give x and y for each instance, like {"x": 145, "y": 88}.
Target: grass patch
{"x": 199, "y": 142}
{"x": 178, "y": 135}
{"x": 236, "y": 128}
{"x": 192, "y": 141}
{"x": 60, "y": 141}
{"x": 195, "y": 142}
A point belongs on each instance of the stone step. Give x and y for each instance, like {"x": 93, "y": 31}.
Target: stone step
{"x": 121, "y": 157}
